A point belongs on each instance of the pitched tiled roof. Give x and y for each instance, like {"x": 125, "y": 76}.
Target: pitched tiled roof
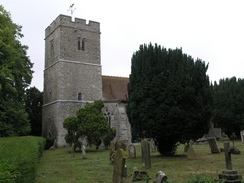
{"x": 114, "y": 87}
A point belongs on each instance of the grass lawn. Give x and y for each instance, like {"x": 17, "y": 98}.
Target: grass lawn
{"x": 58, "y": 166}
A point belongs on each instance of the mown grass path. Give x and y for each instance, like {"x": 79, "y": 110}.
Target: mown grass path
{"x": 58, "y": 166}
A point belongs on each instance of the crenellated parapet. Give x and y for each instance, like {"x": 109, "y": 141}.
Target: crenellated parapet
{"x": 78, "y": 23}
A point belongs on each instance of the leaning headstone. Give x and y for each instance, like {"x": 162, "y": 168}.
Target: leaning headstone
{"x": 229, "y": 174}
{"x": 161, "y": 177}
{"x": 242, "y": 136}
{"x": 132, "y": 151}
{"x": 146, "y": 157}
{"x": 213, "y": 145}
{"x": 119, "y": 166}
{"x": 73, "y": 150}
{"x": 191, "y": 153}
{"x": 83, "y": 148}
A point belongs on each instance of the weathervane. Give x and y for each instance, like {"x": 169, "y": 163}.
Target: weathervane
{"x": 72, "y": 10}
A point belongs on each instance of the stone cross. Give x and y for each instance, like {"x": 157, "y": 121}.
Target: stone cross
{"x": 145, "y": 151}
{"x": 119, "y": 166}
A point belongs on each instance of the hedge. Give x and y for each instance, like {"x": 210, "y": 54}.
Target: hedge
{"x": 19, "y": 157}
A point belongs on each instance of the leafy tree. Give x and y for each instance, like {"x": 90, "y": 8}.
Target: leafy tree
{"x": 89, "y": 123}
{"x": 229, "y": 105}
{"x": 169, "y": 97}
{"x": 33, "y": 105}
{"x": 15, "y": 77}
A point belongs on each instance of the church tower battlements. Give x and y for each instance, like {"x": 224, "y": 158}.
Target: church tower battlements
{"x": 72, "y": 74}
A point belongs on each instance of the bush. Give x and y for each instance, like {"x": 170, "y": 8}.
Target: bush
{"x": 19, "y": 157}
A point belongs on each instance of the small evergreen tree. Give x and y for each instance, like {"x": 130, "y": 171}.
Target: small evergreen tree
{"x": 89, "y": 123}
{"x": 169, "y": 97}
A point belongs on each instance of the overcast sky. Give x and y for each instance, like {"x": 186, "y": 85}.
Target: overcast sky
{"x": 212, "y": 30}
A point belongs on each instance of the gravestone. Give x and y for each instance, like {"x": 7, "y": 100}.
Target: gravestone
{"x": 161, "y": 177}
{"x": 229, "y": 174}
{"x": 132, "y": 151}
{"x": 83, "y": 148}
{"x": 112, "y": 152}
{"x": 191, "y": 153}
{"x": 119, "y": 166}
{"x": 73, "y": 150}
{"x": 235, "y": 149}
{"x": 213, "y": 145}
{"x": 153, "y": 146}
{"x": 242, "y": 136}
{"x": 145, "y": 151}
{"x": 186, "y": 147}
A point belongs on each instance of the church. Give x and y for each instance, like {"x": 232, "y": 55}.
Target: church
{"x": 73, "y": 77}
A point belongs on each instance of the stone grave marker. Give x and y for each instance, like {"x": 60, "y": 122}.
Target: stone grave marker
{"x": 213, "y": 145}
{"x": 145, "y": 151}
{"x": 229, "y": 174}
{"x": 112, "y": 152}
{"x": 111, "y": 147}
{"x": 119, "y": 166}
{"x": 132, "y": 151}
{"x": 153, "y": 146}
{"x": 83, "y": 148}
{"x": 161, "y": 177}
{"x": 73, "y": 150}
{"x": 242, "y": 136}
{"x": 186, "y": 147}
{"x": 191, "y": 153}
{"x": 235, "y": 149}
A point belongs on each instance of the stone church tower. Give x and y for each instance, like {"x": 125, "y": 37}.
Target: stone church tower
{"x": 72, "y": 74}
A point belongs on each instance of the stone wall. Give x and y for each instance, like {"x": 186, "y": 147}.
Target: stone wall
{"x": 115, "y": 111}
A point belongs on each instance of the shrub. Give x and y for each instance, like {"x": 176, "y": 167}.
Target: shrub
{"x": 19, "y": 157}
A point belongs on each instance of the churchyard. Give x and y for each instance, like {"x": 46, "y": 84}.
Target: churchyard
{"x": 61, "y": 166}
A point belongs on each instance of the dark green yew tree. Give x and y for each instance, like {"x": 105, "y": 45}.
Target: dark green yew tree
{"x": 229, "y": 105}
{"x": 89, "y": 123}
{"x": 33, "y": 106}
{"x": 15, "y": 77}
{"x": 169, "y": 97}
